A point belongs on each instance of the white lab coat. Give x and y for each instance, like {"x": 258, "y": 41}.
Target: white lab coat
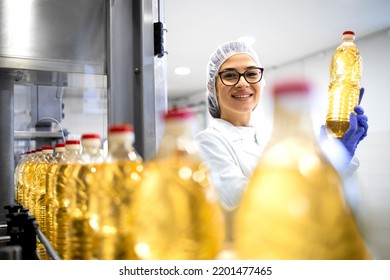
{"x": 233, "y": 153}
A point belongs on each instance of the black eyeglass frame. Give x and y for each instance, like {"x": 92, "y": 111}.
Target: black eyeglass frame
{"x": 242, "y": 75}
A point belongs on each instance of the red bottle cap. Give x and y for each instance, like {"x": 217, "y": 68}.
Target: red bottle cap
{"x": 121, "y": 128}
{"x": 72, "y": 142}
{"x": 90, "y": 136}
{"x": 349, "y": 32}
{"x": 293, "y": 87}
{"x": 178, "y": 113}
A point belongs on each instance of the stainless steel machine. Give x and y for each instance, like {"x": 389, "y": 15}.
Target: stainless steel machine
{"x": 54, "y": 50}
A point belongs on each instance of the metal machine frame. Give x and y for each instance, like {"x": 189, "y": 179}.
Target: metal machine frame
{"x": 98, "y": 37}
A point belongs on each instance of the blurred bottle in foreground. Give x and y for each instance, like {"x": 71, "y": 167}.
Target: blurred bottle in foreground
{"x": 177, "y": 212}
{"x": 293, "y": 207}
{"x": 112, "y": 195}
{"x": 345, "y": 73}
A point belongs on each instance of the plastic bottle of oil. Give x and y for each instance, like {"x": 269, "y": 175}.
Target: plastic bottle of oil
{"x": 345, "y": 73}
{"x": 40, "y": 185}
{"x": 26, "y": 178}
{"x": 17, "y": 174}
{"x": 33, "y": 181}
{"x": 176, "y": 210}
{"x": 50, "y": 185}
{"x": 29, "y": 178}
{"x": 40, "y": 200}
{"x": 113, "y": 194}
{"x": 19, "y": 170}
{"x": 61, "y": 196}
{"x": 40, "y": 195}
{"x": 82, "y": 176}
{"x": 293, "y": 207}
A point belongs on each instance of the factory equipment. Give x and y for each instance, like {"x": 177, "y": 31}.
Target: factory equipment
{"x": 66, "y": 65}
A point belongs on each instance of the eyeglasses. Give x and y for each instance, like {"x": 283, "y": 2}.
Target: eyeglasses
{"x": 232, "y": 77}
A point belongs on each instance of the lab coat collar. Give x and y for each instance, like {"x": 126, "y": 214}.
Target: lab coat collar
{"x": 233, "y": 134}
{"x": 226, "y": 128}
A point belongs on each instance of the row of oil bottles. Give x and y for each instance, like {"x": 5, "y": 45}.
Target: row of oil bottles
{"x": 119, "y": 207}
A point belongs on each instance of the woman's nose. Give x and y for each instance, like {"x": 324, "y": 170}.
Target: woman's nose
{"x": 242, "y": 82}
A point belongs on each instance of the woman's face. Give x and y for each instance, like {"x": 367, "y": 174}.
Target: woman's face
{"x": 237, "y": 102}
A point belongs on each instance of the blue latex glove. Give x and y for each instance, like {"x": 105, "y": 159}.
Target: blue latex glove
{"x": 357, "y": 130}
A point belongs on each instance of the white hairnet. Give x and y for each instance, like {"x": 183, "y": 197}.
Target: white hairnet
{"x": 223, "y": 52}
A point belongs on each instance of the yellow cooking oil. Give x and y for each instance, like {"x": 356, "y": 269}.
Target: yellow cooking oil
{"x": 344, "y": 87}
{"x": 17, "y": 175}
{"x": 290, "y": 214}
{"x": 112, "y": 195}
{"x": 20, "y": 177}
{"x": 80, "y": 230}
{"x": 41, "y": 173}
{"x": 26, "y": 179}
{"x": 80, "y": 186}
{"x": 62, "y": 199}
{"x": 40, "y": 195}
{"x": 294, "y": 207}
{"x": 177, "y": 214}
{"x": 111, "y": 202}
{"x": 32, "y": 179}
{"x": 50, "y": 185}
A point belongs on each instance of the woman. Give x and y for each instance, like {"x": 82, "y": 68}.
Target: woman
{"x": 230, "y": 144}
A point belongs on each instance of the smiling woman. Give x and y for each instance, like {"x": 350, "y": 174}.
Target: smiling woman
{"x": 230, "y": 145}
{"x": 238, "y": 94}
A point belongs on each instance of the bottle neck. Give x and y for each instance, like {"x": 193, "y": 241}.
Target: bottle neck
{"x": 60, "y": 155}
{"x": 177, "y": 137}
{"x": 60, "y": 151}
{"x": 30, "y": 157}
{"x": 37, "y": 156}
{"x": 292, "y": 117}
{"x": 91, "y": 154}
{"x": 72, "y": 155}
{"x": 350, "y": 40}
{"x": 120, "y": 147}
{"x": 48, "y": 157}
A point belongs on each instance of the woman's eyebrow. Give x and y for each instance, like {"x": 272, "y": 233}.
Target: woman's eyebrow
{"x": 229, "y": 69}
{"x": 235, "y": 69}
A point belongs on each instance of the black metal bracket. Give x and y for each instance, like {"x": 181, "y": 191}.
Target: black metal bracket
{"x": 159, "y": 39}
{"x": 20, "y": 228}
{"x": 23, "y": 230}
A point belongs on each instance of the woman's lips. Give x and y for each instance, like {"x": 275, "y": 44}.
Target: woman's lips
{"x": 242, "y": 96}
